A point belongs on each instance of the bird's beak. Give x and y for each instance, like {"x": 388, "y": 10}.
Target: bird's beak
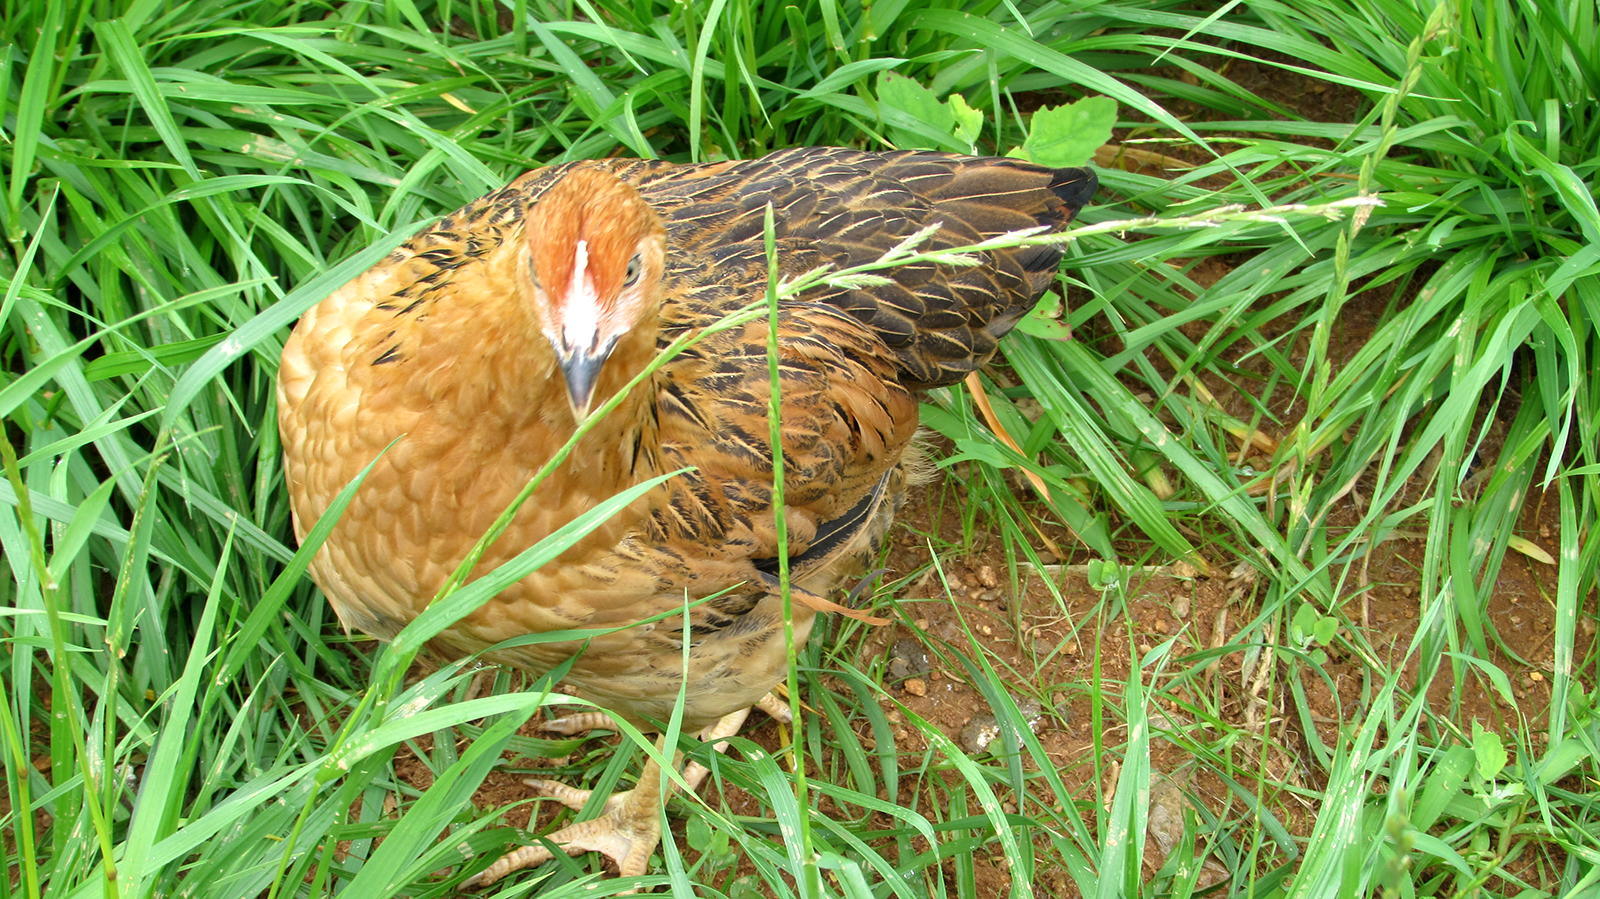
{"x": 582, "y": 371}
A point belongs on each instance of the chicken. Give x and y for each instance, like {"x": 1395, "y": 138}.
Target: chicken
{"x": 477, "y": 348}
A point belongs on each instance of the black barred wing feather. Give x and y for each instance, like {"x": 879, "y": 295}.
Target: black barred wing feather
{"x": 843, "y": 208}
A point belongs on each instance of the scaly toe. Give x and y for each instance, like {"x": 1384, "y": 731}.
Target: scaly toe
{"x": 515, "y": 860}
{"x": 574, "y": 798}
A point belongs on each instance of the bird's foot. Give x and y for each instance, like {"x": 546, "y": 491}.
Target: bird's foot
{"x": 628, "y": 831}
{"x": 630, "y": 827}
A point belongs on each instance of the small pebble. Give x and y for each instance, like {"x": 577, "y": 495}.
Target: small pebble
{"x": 907, "y": 659}
{"x": 979, "y": 733}
{"x": 1031, "y": 712}
{"x": 987, "y": 577}
{"x": 916, "y": 686}
{"x": 1181, "y": 607}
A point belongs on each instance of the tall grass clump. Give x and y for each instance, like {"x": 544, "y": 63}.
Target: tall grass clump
{"x": 1418, "y": 375}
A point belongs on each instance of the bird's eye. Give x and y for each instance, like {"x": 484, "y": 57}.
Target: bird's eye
{"x": 632, "y": 275}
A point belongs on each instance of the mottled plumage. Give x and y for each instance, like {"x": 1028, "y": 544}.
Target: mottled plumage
{"x": 463, "y": 343}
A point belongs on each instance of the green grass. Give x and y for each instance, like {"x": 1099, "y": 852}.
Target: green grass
{"x": 183, "y": 180}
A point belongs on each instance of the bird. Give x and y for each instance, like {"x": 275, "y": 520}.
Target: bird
{"x": 466, "y": 358}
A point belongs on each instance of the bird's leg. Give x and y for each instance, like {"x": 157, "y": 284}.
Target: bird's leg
{"x": 776, "y": 708}
{"x": 630, "y": 827}
{"x": 694, "y": 773}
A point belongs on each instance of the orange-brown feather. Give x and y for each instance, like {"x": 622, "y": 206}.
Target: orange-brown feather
{"x": 442, "y": 349}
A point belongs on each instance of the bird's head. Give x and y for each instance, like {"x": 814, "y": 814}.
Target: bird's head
{"x": 596, "y": 253}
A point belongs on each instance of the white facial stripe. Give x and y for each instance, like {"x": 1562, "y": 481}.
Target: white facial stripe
{"x": 581, "y": 318}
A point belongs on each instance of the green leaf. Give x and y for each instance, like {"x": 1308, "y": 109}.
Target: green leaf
{"x": 1069, "y": 135}
{"x": 709, "y": 841}
{"x": 1326, "y": 628}
{"x": 1102, "y": 573}
{"x": 698, "y": 834}
{"x": 1490, "y": 751}
{"x": 969, "y": 121}
{"x": 1045, "y": 321}
{"x": 917, "y": 120}
{"x": 1305, "y": 621}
